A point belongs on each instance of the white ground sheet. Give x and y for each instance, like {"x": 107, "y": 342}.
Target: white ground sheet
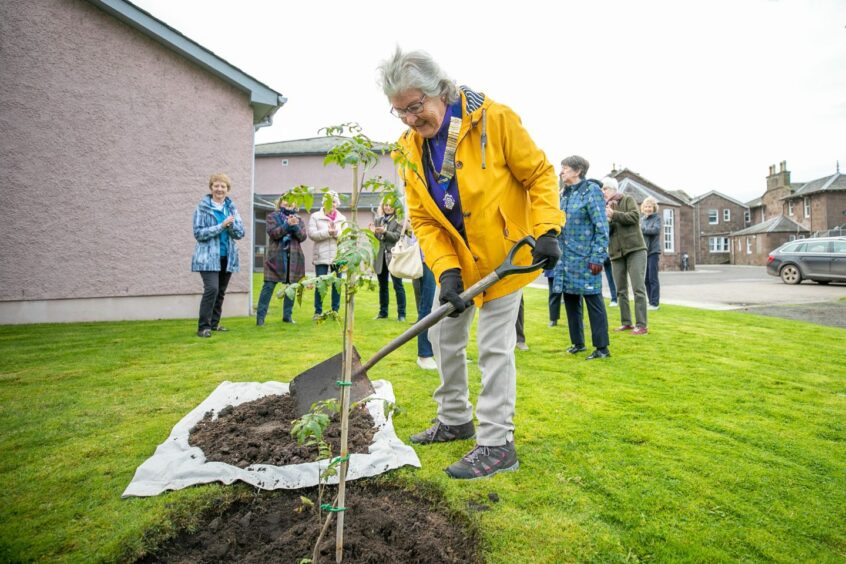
{"x": 176, "y": 464}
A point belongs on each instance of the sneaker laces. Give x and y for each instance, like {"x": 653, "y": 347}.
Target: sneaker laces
{"x": 432, "y": 431}
{"x": 477, "y": 451}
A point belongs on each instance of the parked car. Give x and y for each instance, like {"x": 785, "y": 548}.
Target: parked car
{"x": 822, "y": 260}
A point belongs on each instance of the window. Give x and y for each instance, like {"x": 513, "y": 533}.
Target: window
{"x": 718, "y": 244}
{"x": 807, "y": 202}
{"x": 816, "y": 247}
{"x": 739, "y": 248}
{"x": 726, "y": 215}
{"x": 669, "y": 232}
{"x": 284, "y": 162}
{"x": 747, "y": 216}
{"x": 748, "y": 246}
{"x": 713, "y": 217}
{"x": 838, "y": 246}
{"x": 790, "y": 207}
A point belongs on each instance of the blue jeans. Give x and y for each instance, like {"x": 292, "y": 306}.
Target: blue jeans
{"x": 424, "y": 308}
{"x": 264, "y": 302}
{"x": 320, "y": 270}
{"x": 612, "y": 288}
{"x": 653, "y": 287}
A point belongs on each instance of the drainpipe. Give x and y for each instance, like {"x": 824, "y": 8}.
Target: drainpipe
{"x": 266, "y": 121}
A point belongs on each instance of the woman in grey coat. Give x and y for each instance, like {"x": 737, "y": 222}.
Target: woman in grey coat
{"x": 651, "y": 226}
{"x": 388, "y": 230}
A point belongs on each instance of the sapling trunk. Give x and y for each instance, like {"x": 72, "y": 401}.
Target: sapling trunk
{"x": 349, "y": 323}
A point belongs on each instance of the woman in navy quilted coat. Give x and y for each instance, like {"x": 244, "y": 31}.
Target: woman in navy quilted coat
{"x": 584, "y": 246}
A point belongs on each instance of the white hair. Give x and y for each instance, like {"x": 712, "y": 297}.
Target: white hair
{"x": 611, "y": 183}
{"x": 415, "y": 70}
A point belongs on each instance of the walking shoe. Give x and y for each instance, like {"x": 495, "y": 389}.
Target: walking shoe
{"x": 316, "y": 316}
{"x": 485, "y": 461}
{"x": 440, "y": 433}
{"x": 259, "y": 321}
{"x": 220, "y": 328}
{"x": 288, "y": 320}
{"x": 640, "y": 331}
{"x": 521, "y": 345}
{"x": 205, "y": 333}
{"x": 553, "y": 323}
{"x": 624, "y": 328}
{"x": 577, "y": 349}
{"x": 612, "y": 304}
{"x": 427, "y": 363}
{"x": 380, "y": 316}
{"x": 652, "y": 307}
{"x": 598, "y": 354}
{"x": 401, "y": 318}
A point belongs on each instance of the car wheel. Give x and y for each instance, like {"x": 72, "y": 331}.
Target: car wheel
{"x": 790, "y": 274}
{"x": 822, "y": 282}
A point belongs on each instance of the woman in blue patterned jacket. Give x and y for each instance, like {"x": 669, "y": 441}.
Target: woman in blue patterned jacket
{"x": 584, "y": 245}
{"x": 216, "y": 227}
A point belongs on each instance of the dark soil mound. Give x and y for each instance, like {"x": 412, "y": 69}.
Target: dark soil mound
{"x": 381, "y": 524}
{"x": 259, "y": 432}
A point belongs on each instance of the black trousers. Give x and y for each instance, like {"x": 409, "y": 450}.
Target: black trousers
{"x": 596, "y": 315}
{"x": 214, "y": 290}
{"x": 384, "y": 296}
{"x": 554, "y": 303}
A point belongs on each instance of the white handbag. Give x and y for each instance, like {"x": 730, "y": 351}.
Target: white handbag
{"x": 405, "y": 258}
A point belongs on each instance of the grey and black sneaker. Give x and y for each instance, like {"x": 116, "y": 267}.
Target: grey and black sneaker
{"x": 441, "y": 433}
{"x": 484, "y": 461}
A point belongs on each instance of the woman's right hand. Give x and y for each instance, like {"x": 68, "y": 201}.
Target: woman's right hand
{"x": 228, "y": 221}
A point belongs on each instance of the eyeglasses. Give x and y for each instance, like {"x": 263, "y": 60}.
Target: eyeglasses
{"x": 412, "y": 109}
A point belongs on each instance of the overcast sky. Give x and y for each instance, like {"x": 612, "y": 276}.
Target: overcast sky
{"x": 696, "y": 96}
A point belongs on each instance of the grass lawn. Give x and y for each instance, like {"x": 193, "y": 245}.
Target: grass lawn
{"x": 720, "y": 436}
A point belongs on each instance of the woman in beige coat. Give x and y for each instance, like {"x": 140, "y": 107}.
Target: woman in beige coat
{"x": 324, "y": 229}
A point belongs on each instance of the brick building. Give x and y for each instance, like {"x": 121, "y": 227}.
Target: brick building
{"x": 789, "y": 210}
{"x": 715, "y": 217}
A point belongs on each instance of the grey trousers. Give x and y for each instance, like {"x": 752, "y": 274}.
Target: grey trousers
{"x": 631, "y": 267}
{"x": 496, "y": 338}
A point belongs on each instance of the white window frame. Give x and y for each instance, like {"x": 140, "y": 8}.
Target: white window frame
{"x": 747, "y": 216}
{"x": 789, "y": 207}
{"x": 713, "y": 217}
{"x": 718, "y": 245}
{"x": 284, "y": 162}
{"x": 748, "y": 245}
{"x": 669, "y": 242}
{"x": 807, "y": 202}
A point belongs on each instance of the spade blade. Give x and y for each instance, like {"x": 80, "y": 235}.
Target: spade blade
{"x": 320, "y": 382}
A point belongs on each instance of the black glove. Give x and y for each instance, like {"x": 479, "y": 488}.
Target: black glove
{"x": 547, "y": 250}
{"x": 451, "y": 288}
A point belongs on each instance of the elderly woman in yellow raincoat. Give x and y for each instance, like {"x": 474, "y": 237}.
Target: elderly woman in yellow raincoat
{"x": 480, "y": 185}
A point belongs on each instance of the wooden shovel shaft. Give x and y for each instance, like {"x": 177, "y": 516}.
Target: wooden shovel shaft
{"x": 430, "y": 320}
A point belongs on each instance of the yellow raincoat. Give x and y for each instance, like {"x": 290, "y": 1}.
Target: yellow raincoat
{"x": 508, "y": 190}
